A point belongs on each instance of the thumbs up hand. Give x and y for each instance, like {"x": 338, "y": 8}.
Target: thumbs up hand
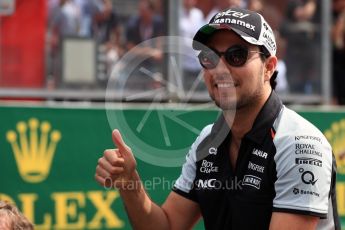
{"x": 117, "y": 167}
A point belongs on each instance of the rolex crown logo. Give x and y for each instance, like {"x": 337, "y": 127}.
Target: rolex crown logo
{"x": 336, "y": 136}
{"x": 33, "y": 146}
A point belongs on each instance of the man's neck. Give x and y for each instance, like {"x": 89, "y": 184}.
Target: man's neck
{"x": 241, "y": 121}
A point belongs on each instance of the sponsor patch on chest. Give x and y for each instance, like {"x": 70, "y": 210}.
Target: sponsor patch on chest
{"x": 252, "y": 181}
{"x": 260, "y": 153}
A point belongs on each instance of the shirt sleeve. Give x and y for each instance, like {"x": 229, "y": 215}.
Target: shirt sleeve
{"x": 184, "y": 185}
{"x": 304, "y": 174}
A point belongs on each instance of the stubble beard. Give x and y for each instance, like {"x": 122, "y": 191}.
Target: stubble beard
{"x": 236, "y": 103}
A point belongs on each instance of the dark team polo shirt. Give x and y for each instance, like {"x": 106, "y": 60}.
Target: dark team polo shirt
{"x": 284, "y": 164}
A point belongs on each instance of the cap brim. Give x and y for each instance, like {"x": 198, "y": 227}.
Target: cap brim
{"x": 203, "y": 34}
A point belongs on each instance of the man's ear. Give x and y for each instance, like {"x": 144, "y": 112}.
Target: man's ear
{"x": 270, "y": 66}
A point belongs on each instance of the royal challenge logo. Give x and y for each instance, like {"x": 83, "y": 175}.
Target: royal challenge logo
{"x": 33, "y": 145}
{"x": 336, "y": 137}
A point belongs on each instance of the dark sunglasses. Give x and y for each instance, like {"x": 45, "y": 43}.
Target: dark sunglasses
{"x": 236, "y": 55}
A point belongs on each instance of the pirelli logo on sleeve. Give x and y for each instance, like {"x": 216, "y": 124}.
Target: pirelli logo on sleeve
{"x": 308, "y": 161}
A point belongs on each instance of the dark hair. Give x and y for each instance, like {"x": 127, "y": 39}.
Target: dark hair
{"x": 264, "y": 55}
{"x": 273, "y": 79}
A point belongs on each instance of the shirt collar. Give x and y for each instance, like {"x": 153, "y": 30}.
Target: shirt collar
{"x": 265, "y": 119}
{"x": 261, "y": 127}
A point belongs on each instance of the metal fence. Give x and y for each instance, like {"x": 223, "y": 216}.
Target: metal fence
{"x": 86, "y": 75}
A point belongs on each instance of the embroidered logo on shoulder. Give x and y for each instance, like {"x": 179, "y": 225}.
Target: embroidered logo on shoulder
{"x": 309, "y": 161}
{"x": 306, "y": 137}
{"x": 304, "y": 149}
{"x": 307, "y": 177}
{"x": 302, "y": 192}
{"x": 260, "y": 153}
{"x": 212, "y": 151}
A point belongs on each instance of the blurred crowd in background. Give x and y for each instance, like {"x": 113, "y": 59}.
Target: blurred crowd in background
{"x": 117, "y": 26}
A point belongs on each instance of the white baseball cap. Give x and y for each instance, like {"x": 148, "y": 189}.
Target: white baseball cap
{"x": 250, "y": 25}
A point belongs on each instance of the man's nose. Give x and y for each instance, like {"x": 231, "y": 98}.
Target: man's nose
{"x": 222, "y": 66}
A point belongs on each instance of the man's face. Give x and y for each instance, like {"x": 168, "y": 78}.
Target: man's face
{"x": 144, "y": 10}
{"x": 234, "y": 87}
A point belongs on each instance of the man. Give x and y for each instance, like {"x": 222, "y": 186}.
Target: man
{"x": 12, "y": 219}
{"x": 300, "y": 29}
{"x": 144, "y": 27}
{"x": 191, "y": 19}
{"x": 259, "y": 166}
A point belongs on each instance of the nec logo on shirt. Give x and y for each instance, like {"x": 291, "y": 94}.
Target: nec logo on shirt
{"x": 210, "y": 183}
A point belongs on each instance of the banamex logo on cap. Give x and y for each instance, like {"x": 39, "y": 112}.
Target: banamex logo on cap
{"x": 234, "y": 17}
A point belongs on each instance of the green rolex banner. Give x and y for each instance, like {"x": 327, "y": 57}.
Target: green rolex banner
{"x": 48, "y": 157}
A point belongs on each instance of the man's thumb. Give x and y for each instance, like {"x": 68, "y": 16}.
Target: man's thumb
{"x": 118, "y": 141}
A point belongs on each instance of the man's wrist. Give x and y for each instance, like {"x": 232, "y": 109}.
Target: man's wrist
{"x": 132, "y": 183}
